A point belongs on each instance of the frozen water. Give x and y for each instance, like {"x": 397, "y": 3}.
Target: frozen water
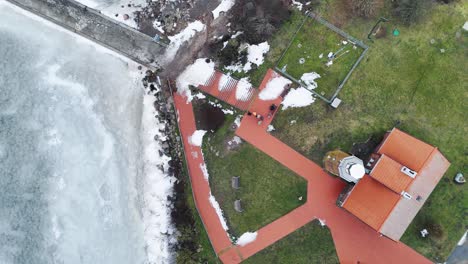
{"x": 70, "y": 152}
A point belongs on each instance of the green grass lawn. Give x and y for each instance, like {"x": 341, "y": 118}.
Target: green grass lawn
{"x": 311, "y": 244}
{"x": 314, "y": 40}
{"x": 409, "y": 80}
{"x": 268, "y": 190}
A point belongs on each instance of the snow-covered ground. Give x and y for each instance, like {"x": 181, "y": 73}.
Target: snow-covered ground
{"x": 255, "y": 55}
{"x": 299, "y": 97}
{"x": 196, "y": 139}
{"x": 185, "y": 35}
{"x": 195, "y": 74}
{"x": 224, "y": 6}
{"x": 309, "y": 79}
{"x": 246, "y": 238}
{"x": 120, "y": 10}
{"x": 219, "y": 212}
{"x": 243, "y": 89}
{"x": 274, "y": 88}
{"x": 74, "y": 184}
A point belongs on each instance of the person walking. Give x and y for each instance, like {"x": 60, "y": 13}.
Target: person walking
{"x": 272, "y": 110}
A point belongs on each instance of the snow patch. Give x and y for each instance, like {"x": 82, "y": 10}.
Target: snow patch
{"x": 159, "y": 26}
{"x": 219, "y": 212}
{"x": 238, "y": 33}
{"x": 183, "y": 36}
{"x": 224, "y": 6}
{"x": 465, "y": 27}
{"x": 158, "y": 187}
{"x": 298, "y": 5}
{"x": 237, "y": 140}
{"x": 227, "y": 111}
{"x": 321, "y": 221}
{"x": 270, "y": 128}
{"x": 196, "y": 139}
{"x": 89, "y": 3}
{"x": 309, "y": 79}
{"x": 255, "y": 55}
{"x": 223, "y": 82}
{"x": 205, "y": 171}
{"x": 274, "y": 88}
{"x": 119, "y": 8}
{"x": 299, "y": 97}
{"x": 243, "y": 89}
{"x": 462, "y": 240}
{"x": 237, "y": 121}
{"x": 199, "y": 96}
{"x": 195, "y": 74}
{"x": 246, "y": 238}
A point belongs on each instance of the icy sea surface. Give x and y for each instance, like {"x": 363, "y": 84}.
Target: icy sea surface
{"x": 70, "y": 118}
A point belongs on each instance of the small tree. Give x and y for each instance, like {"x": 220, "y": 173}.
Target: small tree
{"x": 229, "y": 54}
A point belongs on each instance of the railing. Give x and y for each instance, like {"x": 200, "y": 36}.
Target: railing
{"x": 332, "y": 27}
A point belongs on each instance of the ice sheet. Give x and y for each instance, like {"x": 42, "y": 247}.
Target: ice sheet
{"x": 70, "y": 151}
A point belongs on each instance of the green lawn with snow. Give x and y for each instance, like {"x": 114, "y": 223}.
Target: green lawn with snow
{"x": 267, "y": 190}
{"x": 309, "y": 53}
{"x": 405, "y": 80}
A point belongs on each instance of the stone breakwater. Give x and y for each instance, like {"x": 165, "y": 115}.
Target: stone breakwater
{"x": 96, "y": 27}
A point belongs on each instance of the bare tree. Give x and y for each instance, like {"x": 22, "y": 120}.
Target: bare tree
{"x": 366, "y": 8}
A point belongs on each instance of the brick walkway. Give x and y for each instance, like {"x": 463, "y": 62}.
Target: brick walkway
{"x": 354, "y": 240}
{"x": 227, "y": 92}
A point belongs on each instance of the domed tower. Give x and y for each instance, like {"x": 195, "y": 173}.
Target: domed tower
{"x": 351, "y": 169}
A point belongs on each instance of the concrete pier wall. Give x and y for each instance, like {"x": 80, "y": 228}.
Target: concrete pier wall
{"x": 97, "y": 27}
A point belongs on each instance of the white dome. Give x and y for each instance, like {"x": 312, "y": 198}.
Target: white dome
{"x": 357, "y": 171}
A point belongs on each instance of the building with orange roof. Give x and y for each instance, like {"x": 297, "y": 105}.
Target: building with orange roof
{"x": 401, "y": 175}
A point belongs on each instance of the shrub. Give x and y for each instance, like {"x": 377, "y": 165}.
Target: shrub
{"x": 409, "y": 11}
{"x": 229, "y": 54}
{"x": 435, "y": 229}
{"x": 259, "y": 19}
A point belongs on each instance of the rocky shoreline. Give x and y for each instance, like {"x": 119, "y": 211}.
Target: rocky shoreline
{"x": 182, "y": 214}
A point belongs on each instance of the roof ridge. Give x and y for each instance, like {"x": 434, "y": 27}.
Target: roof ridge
{"x": 434, "y": 150}
{"x": 390, "y": 211}
{"x": 424, "y": 142}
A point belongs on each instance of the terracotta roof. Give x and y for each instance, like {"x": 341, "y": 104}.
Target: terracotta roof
{"x": 388, "y": 172}
{"x": 424, "y": 183}
{"x": 371, "y": 202}
{"x": 405, "y": 149}
{"x": 376, "y": 199}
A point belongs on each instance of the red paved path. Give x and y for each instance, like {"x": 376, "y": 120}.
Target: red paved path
{"x": 354, "y": 240}
{"x": 201, "y": 188}
{"x": 228, "y": 92}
